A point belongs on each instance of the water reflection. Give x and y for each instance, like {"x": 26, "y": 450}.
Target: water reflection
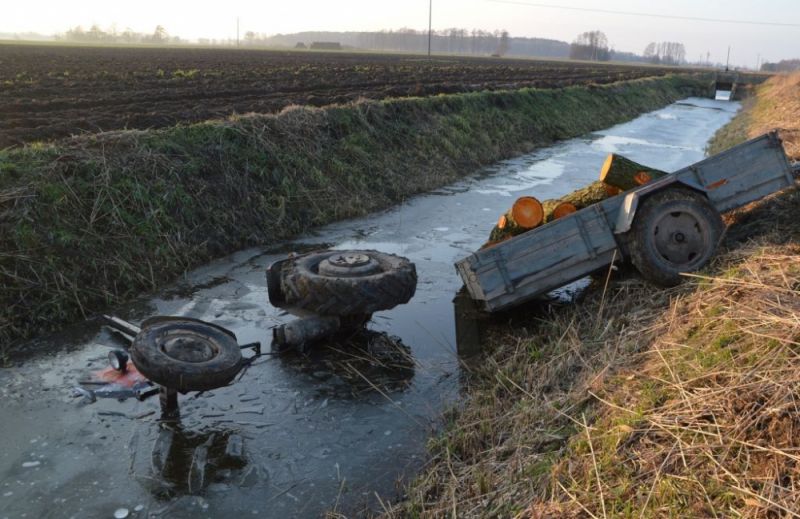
{"x": 170, "y": 461}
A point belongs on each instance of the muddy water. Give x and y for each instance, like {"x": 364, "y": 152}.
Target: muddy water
{"x": 324, "y": 431}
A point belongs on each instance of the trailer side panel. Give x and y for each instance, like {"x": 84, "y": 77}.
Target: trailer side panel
{"x": 535, "y": 263}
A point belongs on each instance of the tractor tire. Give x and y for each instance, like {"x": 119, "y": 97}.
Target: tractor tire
{"x": 344, "y": 283}
{"x": 186, "y": 354}
{"x": 674, "y": 231}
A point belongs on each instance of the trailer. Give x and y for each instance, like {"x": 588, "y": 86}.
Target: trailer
{"x": 665, "y": 228}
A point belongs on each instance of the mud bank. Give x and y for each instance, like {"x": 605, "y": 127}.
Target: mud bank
{"x": 93, "y": 221}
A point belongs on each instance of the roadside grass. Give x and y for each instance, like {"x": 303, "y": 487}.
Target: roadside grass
{"x": 92, "y": 221}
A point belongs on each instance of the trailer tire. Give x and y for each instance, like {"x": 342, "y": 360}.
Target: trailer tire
{"x": 676, "y": 230}
{"x": 186, "y": 355}
{"x": 314, "y": 283}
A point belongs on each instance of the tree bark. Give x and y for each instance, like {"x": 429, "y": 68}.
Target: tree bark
{"x": 591, "y": 194}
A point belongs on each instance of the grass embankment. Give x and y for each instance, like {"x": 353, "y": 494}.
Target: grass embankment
{"x": 91, "y": 221}
{"x": 639, "y": 401}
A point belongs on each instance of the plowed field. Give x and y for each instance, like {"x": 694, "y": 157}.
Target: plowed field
{"x": 50, "y": 91}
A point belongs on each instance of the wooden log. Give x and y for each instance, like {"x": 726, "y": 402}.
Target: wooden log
{"x": 555, "y": 209}
{"x": 527, "y": 213}
{"x": 626, "y": 174}
{"x": 591, "y": 194}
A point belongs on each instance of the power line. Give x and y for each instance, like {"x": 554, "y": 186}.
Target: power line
{"x": 647, "y": 15}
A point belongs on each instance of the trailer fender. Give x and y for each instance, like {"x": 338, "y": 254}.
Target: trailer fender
{"x": 627, "y": 211}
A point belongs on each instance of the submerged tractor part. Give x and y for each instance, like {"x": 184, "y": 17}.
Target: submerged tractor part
{"x": 341, "y": 289}
{"x": 170, "y": 355}
{"x": 342, "y": 282}
{"x": 310, "y": 329}
{"x": 298, "y": 333}
{"x": 186, "y": 354}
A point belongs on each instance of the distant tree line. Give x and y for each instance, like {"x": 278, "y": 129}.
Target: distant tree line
{"x": 590, "y": 45}
{"x": 786, "y": 65}
{"x": 97, "y": 35}
{"x": 453, "y": 40}
{"x": 594, "y": 46}
{"x": 665, "y": 53}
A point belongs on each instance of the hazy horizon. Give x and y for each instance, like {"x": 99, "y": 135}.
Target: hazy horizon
{"x": 626, "y": 32}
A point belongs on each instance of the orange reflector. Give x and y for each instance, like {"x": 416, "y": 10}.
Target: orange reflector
{"x": 717, "y": 184}
{"x": 612, "y": 191}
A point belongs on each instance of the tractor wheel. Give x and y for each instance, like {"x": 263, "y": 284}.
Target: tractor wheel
{"x": 344, "y": 283}
{"x": 186, "y": 354}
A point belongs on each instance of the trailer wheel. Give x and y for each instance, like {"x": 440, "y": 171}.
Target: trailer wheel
{"x": 341, "y": 283}
{"x": 186, "y": 354}
{"x": 675, "y": 231}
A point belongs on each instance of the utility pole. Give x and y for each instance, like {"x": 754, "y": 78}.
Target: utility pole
{"x": 430, "y": 25}
{"x": 728, "y": 61}
{"x": 237, "y": 31}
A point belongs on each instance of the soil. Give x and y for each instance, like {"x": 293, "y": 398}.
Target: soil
{"x": 49, "y": 91}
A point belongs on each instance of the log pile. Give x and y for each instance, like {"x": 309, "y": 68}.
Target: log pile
{"x": 618, "y": 174}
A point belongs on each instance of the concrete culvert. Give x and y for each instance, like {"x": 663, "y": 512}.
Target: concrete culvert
{"x": 342, "y": 283}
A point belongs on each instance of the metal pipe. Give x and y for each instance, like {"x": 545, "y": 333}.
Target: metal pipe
{"x": 122, "y": 326}
{"x": 301, "y": 332}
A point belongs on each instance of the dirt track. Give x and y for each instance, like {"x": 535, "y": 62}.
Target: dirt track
{"x": 50, "y": 91}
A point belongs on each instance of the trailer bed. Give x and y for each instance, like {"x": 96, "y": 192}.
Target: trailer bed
{"x": 573, "y": 247}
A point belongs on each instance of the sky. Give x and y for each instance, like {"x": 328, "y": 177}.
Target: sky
{"x": 206, "y": 19}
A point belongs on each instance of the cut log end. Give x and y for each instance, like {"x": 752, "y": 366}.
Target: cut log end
{"x": 642, "y": 178}
{"x": 502, "y": 222}
{"x": 563, "y": 209}
{"x": 527, "y": 212}
{"x": 606, "y": 167}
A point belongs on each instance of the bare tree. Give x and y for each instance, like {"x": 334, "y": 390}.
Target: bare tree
{"x": 505, "y": 43}
{"x": 590, "y": 45}
{"x": 666, "y": 52}
{"x": 160, "y": 35}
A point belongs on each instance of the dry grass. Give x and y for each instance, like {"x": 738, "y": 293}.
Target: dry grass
{"x": 528, "y": 397}
{"x": 775, "y": 106}
{"x": 705, "y": 422}
{"x": 639, "y": 402}
{"x": 778, "y": 107}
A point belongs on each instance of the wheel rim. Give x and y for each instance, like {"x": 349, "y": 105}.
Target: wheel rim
{"x": 681, "y": 238}
{"x": 186, "y": 346}
{"x": 349, "y": 264}
{"x": 349, "y": 259}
